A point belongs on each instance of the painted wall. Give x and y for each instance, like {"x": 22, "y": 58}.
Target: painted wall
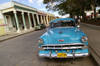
{"x": 27, "y": 22}
{"x": 0, "y": 15}
{"x": 2, "y": 29}
{"x": 5, "y": 5}
{"x": 9, "y": 22}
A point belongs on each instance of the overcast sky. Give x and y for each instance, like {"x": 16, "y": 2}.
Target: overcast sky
{"x": 34, "y": 3}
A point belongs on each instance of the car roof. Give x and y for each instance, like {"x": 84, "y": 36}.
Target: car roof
{"x": 62, "y": 19}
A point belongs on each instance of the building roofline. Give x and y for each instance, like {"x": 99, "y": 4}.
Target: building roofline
{"x": 22, "y": 4}
{"x": 14, "y": 2}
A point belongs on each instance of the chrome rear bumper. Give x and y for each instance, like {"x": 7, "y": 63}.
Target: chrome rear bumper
{"x": 73, "y": 55}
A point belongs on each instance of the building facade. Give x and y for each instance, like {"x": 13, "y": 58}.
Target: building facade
{"x": 2, "y": 29}
{"x": 19, "y": 17}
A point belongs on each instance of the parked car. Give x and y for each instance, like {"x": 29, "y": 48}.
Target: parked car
{"x": 63, "y": 39}
{"x": 40, "y": 26}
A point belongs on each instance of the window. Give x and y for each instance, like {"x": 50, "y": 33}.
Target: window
{"x": 64, "y": 23}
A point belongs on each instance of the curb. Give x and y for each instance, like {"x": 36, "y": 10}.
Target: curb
{"x": 95, "y": 56}
{"x": 91, "y": 26}
{"x": 15, "y": 36}
{"x": 93, "y": 53}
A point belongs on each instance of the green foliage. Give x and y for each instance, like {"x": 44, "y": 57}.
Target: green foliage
{"x": 72, "y": 7}
{"x": 99, "y": 11}
{"x": 98, "y": 2}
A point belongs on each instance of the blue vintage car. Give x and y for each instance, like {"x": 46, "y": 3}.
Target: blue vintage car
{"x": 63, "y": 39}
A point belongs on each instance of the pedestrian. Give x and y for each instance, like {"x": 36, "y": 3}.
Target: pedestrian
{"x": 78, "y": 20}
{"x": 22, "y": 26}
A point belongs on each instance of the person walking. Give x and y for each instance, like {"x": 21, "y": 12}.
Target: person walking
{"x": 78, "y": 20}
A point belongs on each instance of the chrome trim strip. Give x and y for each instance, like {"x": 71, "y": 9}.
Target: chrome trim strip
{"x": 41, "y": 49}
{"x": 63, "y": 48}
{"x": 63, "y": 44}
{"x": 73, "y": 55}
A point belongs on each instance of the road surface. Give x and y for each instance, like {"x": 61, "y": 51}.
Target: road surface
{"x": 23, "y": 51}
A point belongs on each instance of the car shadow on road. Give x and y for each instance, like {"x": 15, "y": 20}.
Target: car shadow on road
{"x": 82, "y": 61}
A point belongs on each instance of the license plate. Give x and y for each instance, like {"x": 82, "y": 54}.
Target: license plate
{"x": 61, "y": 55}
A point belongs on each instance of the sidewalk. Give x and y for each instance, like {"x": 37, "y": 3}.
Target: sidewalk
{"x": 14, "y": 34}
{"x": 93, "y": 33}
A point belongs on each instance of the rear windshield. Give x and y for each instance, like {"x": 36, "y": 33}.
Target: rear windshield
{"x": 64, "y": 23}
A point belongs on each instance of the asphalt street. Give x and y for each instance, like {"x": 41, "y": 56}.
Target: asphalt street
{"x": 23, "y": 51}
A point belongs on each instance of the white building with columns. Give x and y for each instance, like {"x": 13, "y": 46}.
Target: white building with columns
{"x": 20, "y": 17}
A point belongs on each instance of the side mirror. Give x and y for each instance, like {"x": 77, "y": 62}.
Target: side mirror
{"x": 78, "y": 26}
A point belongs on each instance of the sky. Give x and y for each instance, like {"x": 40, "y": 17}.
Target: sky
{"x": 38, "y": 4}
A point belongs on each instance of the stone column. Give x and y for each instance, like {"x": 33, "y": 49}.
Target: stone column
{"x": 25, "y": 28}
{"x": 47, "y": 20}
{"x": 50, "y": 18}
{"x": 7, "y": 28}
{"x": 37, "y": 18}
{"x": 30, "y": 21}
{"x": 34, "y": 20}
{"x": 18, "y": 29}
{"x": 44, "y": 20}
{"x": 41, "y": 19}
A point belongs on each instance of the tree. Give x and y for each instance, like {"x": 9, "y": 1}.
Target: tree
{"x": 95, "y": 3}
{"x": 72, "y": 7}
{"x": 99, "y": 11}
